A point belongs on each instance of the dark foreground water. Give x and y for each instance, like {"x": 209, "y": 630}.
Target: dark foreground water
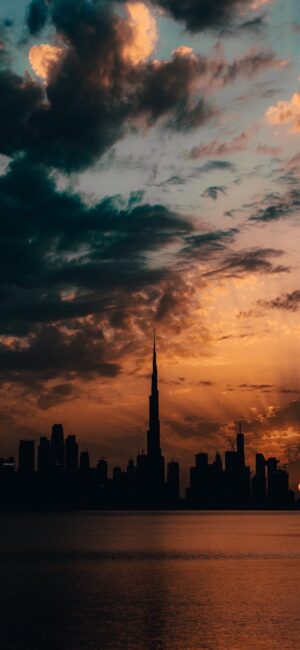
{"x": 169, "y": 581}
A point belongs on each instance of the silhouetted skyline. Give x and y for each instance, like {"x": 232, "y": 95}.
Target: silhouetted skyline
{"x": 64, "y": 478}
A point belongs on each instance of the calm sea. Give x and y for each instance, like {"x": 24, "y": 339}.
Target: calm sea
{"x": 154, "y": 581}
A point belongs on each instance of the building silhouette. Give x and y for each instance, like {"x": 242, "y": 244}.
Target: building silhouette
{"x": 71, "y": 454}
{"x": 64, "y": 478}
{"x": 173, "y": 482}
{"x": 259, "y": 484}
{"x": 155, "y": 460}
{"x": 44, "y": 456}
{"x": 58, "y": 447}
{"x": 26, "y": 456}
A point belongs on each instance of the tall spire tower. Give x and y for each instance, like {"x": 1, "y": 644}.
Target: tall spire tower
{"x": 153, "y": 436}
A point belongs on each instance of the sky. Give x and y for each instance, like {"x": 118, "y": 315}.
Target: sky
{"x": 149, "y": 177}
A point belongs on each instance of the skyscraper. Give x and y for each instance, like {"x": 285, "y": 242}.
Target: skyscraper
{"x": 153, "y": 437}
{"x": 58, "y": 447}
{"x": 155, "y": 460}
{"x": 240, "y": 446}
{"x": 173, "y": 481}
{"x": 26, "y": 456}
{"x": 44, "y": 456}
{"x": 71, "y": 452}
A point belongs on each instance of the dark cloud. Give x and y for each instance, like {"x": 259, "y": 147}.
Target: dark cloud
{"x": 94, "y": 94}
{"x": 287, "y": 302}
{"x": 20, "y": 99}
{"x": 50, "y": 352}
{"x": 207, "y": 244}
{"x": 277, "y": 207}
{"x": 193, "y": 427}
{"x": 279, "y": 418}
{"x": 214, "y": 191}
{"x": 256, "y": 260}
{"x": 67, "y": 266}
{"x": 57, "y": 394}
{"x": 61, "y": 259}
{"x": 37, "y": 15}
{"x": 198, "y": 15}
{"x": 253, "y": 25}
{"x": 216, "y": 165}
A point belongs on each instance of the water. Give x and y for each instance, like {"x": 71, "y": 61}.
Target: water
{"x": 150, "y": 581}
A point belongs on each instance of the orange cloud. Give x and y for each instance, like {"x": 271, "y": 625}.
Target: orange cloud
{"x": 286, "y": 113}
{"x": 183, "y": 50}
{"x": 257, "y": 4}
{"x": 144, "y": 33}
{"x": 42, "y": 58}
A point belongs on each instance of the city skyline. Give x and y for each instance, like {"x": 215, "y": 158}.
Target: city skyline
{"x": 61, "y": 477}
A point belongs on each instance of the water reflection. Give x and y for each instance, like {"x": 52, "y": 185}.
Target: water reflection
{"x": 182, "y": 581}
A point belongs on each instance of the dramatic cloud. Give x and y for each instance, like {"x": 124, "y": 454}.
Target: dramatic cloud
{"x": 98, "y": 84}
{"x": 83, "y": 279}
{"x": 71, "y": 272}
{"x": 62, "y": 260}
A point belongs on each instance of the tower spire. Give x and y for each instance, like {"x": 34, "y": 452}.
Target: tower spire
{"x": 154, "y": 424}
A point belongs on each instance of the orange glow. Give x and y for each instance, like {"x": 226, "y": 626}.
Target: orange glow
{"x": 257, "y": 4}
{"x": 144, "y": 33}
{"x": 184, "y": 51}
{"x": 42, "y": 58}
{"x": 286, "y": 112}
{"x": 298, "y": 487}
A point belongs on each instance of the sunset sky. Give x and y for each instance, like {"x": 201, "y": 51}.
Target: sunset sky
{"x": 150, "y": 177}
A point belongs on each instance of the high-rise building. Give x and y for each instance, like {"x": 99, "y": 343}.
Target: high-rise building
{"x": 173, "y": 481}
{"x": 84, "y": 463}
{"x": 240, "y": 446}
{"x": 102, "y": 471}
{"x": 153, "y": 436}
{"x": 237, "y": 474}
{"x": 155, "y": 460}
{"x": 259, "y": 492}
{"x": 71, "y": 454}
{"x": 58, "y": 447}
{"x": 44, "y": 456}
{"x": 26, "y": 456}
{"x": 278, "y": 483}
{"x": 198, "y": 492}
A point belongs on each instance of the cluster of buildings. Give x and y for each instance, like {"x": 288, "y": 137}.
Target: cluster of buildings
{"x": 63, "y": 477}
